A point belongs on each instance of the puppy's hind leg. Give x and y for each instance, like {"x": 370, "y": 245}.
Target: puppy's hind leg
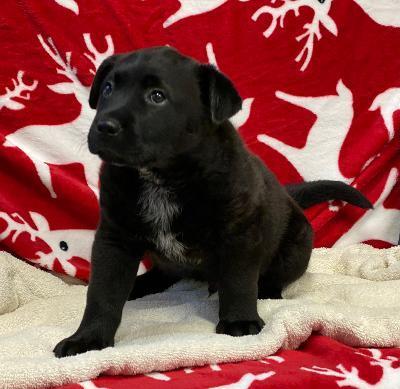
{"x": 154, "y": 281}
{"x": 291, "y": 261}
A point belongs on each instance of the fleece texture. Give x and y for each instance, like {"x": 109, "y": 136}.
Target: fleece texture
{"x": 351, "y": 294}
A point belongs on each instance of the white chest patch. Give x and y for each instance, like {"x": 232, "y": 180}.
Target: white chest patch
{"x": 159, "y": 208}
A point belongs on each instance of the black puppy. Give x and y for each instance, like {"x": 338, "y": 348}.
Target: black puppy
{"x": 306, "y": 194}
{"x": 178, "y": 182}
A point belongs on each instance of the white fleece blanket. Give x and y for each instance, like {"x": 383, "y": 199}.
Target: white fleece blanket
{"x": 350, "y": 294}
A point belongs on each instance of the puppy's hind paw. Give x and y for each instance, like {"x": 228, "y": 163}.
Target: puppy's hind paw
{"x": 240, "y": 328}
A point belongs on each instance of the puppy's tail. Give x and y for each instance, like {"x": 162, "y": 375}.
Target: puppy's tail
{"x": 307, "y": 194}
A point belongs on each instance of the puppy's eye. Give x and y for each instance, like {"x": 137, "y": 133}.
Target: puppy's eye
{"x": 157, "y": 97}
{"x": 107, "y": 90}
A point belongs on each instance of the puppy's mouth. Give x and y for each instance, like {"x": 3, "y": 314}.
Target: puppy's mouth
{"x": 105, "y": 155}
{"x": 111, "y": 159}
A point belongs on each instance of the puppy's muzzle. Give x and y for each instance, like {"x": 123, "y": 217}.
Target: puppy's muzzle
{"x": 108, "y": 127}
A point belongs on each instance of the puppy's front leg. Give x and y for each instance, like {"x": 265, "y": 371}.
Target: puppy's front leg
{"x": 114, "y": 268}
{"x": 238, "y": 290}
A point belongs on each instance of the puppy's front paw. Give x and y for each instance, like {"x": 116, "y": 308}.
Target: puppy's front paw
{"x": 78, "y": 344}
{"x": 240, "y": 328}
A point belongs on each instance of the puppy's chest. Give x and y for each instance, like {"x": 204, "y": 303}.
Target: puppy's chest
{"x": 159, "y": 208}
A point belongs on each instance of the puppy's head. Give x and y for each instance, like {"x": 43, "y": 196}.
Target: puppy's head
{"x": 154, "y": 105}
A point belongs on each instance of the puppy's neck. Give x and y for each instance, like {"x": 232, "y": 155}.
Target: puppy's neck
{"x": 149, "y": 176}
{"x": 216, "y": 155}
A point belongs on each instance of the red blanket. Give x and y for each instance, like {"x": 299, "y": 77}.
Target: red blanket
{"x": 321, "y": 86}
{"x": 320, "y": 363}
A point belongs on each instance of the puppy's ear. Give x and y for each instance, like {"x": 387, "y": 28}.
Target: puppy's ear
{"x": 105, "y": 68}
{"x": 218, "y": 93}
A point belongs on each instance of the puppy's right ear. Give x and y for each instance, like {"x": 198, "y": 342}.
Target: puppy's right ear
{"x": 105, "y": 68}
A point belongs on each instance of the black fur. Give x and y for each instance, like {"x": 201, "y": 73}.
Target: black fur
{"x": 178, "y": 182}
{"x": 307, "y": 194}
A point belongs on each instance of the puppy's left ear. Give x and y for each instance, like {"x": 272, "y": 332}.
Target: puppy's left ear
{"x": 218, "y": 93}
{"x": 105, "y": 68}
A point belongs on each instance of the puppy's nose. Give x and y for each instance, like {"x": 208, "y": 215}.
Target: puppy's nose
{"x": 109, "y": 127}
